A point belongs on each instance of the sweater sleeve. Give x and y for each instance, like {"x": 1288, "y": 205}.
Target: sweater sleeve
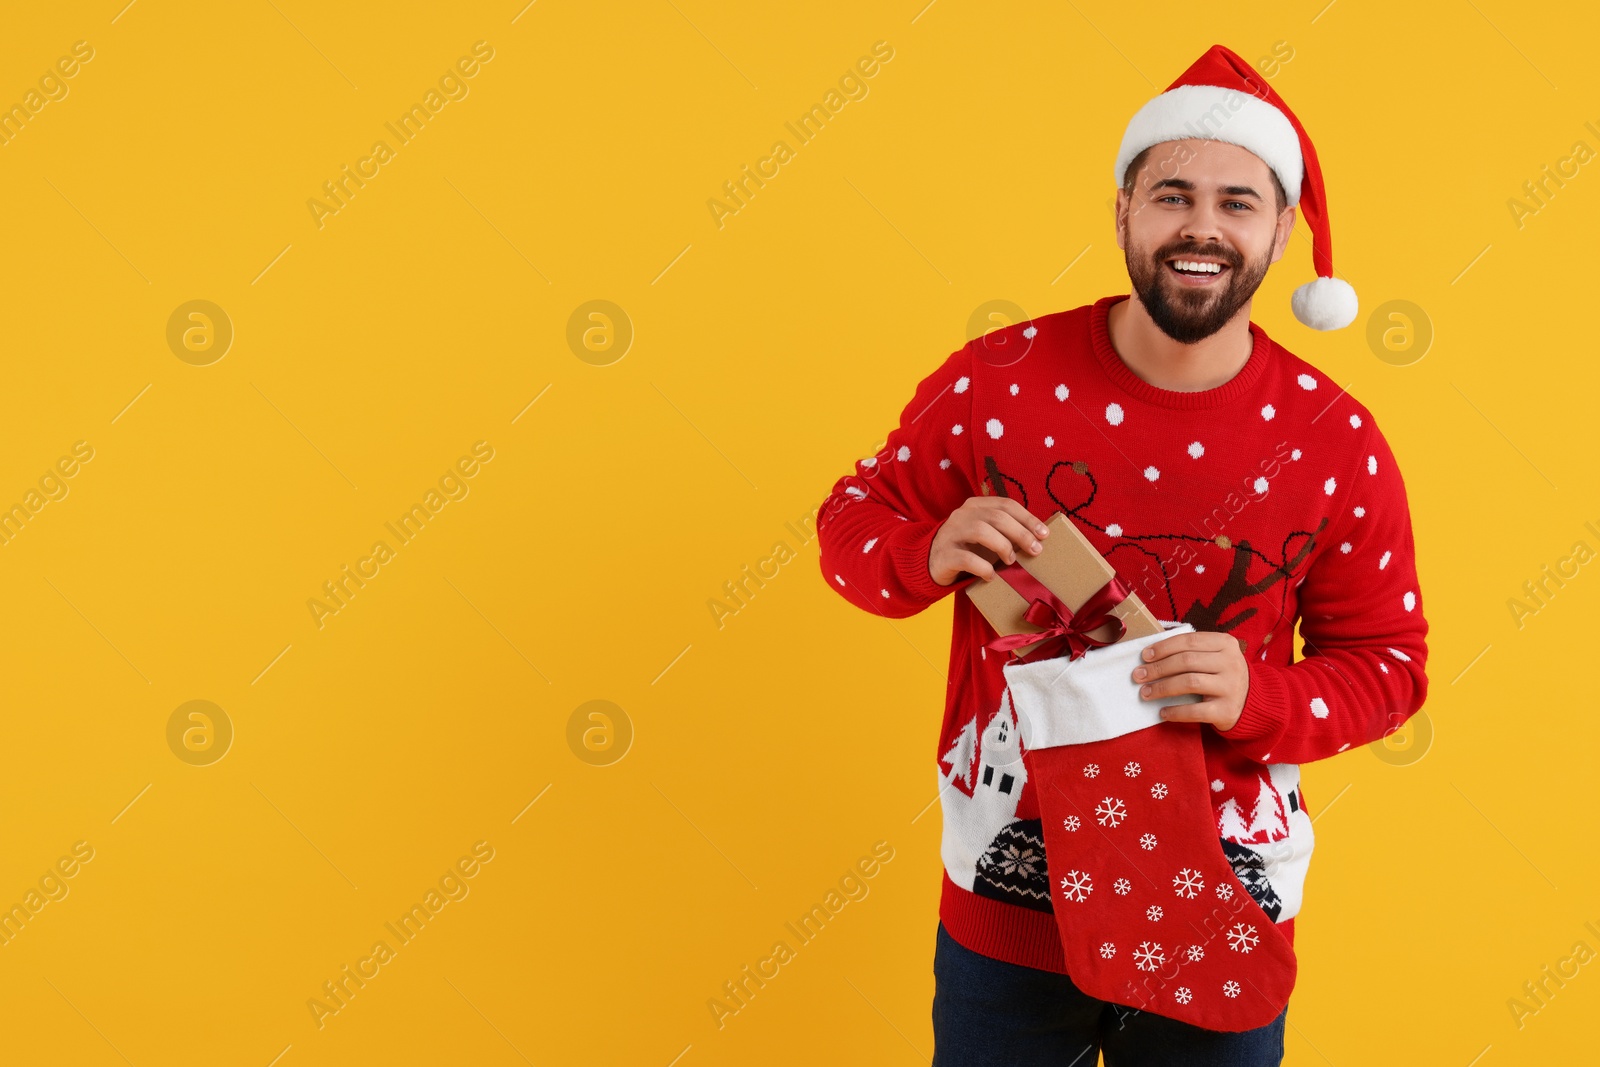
{"x": 1365, "y": 655}
{"x": 876, "y": 527}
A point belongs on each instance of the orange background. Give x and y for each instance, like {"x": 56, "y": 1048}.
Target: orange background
{"x": 640, "y": 460}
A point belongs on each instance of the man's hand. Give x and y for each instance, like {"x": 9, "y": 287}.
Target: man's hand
{"x": 1211, "y": 665}
{"x": 980, "y": 532}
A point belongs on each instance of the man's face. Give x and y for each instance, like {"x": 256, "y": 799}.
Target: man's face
{"x": 1199, "y": 202}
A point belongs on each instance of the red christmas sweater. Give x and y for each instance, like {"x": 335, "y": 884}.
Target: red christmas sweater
{"x": 1270, "y": 499}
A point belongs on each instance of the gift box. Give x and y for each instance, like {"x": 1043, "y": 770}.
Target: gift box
{"x": 1067, "y": 595}
{"x": 1075, "y": 633}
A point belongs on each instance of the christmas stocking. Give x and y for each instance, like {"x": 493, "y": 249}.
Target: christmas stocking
{"x": 1150, "y": 912}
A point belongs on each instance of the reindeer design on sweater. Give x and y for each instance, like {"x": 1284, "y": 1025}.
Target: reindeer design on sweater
{"x": 1072, "y": 480}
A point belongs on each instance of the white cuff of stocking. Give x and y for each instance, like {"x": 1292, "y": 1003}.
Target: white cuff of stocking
{"x": 1062, "y": 701}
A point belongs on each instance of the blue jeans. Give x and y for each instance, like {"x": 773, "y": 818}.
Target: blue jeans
{"x": 987, "y": 1011}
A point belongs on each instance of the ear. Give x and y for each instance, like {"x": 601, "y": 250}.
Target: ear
{"x": 1124, "y": 202}
{"x": 1280, "y": 236}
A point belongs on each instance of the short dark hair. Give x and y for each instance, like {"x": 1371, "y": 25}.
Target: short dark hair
{"x": 1138, "y": 161}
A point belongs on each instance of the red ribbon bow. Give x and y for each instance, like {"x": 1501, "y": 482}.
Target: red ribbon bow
{"x": 1060, "y": 623}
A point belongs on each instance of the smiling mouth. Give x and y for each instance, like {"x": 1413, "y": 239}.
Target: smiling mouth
{"x": 1197, "y": 271}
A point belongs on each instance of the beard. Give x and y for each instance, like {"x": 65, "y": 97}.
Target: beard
{"x": 1189, "y": 315}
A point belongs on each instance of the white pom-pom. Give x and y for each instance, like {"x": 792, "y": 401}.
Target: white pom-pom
{"x": 1325, "y": 304}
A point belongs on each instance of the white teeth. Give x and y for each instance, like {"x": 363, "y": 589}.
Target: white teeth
{"x": 1190, "y": 264}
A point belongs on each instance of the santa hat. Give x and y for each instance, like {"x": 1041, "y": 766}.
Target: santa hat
{"x": 1222, "y": 98}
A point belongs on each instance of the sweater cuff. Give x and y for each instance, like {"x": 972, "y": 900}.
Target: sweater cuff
{"x": 908, "y": 554}
{"x": 1266, "y": 708}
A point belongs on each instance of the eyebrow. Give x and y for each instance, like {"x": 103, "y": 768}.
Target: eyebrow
{"x": 1226, "y": 190}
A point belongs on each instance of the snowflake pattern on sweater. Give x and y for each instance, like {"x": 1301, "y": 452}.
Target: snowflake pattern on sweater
{"x": 1270, "y": 499}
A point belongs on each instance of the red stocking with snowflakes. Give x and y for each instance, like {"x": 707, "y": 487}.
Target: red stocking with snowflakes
{"x": 1150, "y": 912}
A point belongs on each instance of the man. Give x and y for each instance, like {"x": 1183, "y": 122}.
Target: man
{"x": 1230, "y": 484}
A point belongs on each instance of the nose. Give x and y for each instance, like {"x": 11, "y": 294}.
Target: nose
{"x": 1200, "y": 225}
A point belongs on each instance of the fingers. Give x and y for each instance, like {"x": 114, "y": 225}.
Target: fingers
{"x": 972, "y": 563}
{"x": 1006, "y": 537}
{"x": 1018, "y": 525}
{"x": 984, "y": 531}
{"x": 1020, "y": 533}
{"x": 1201, "y": 711}
{"x": 978, "y": 531}
{"x": 1202, "y": 683}
{"x": 1194, "y": 659}
{"x": 1023, "y": 516}
{"x": 1198, "y": 641}
{"x": 1005, "y": 527}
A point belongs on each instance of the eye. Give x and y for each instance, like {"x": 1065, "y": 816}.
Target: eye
{"x": 1170, "y": 196}
{"x": 1239, "y": 203}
